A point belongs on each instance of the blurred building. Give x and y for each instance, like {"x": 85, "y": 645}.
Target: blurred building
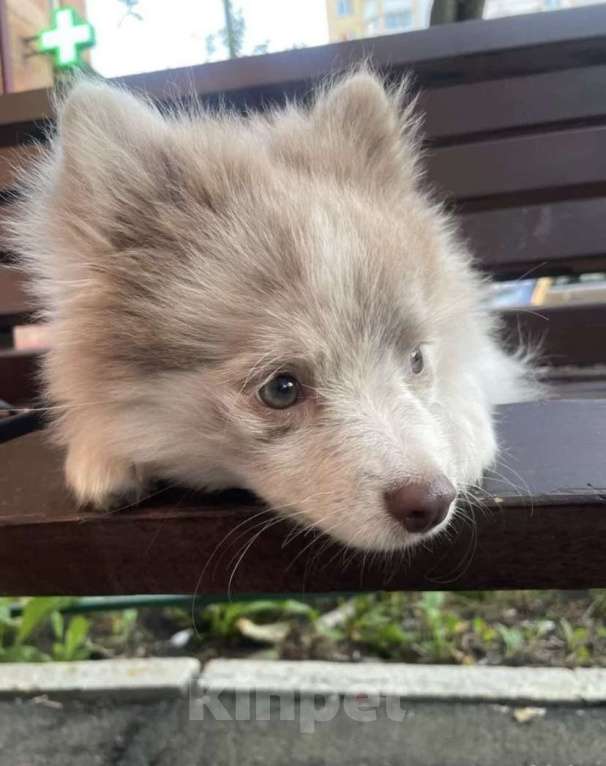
{"x": 496, "y": 8}
{"x": 351, "y": 19}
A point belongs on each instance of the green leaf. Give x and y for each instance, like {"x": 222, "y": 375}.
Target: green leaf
{"x": 292, "y": 608}
{"x": 23, "y": 653}
{"x": 57, "y": 623}
{"x": 36, "y": 611}
{"x": 75, "y": 636}
{"x": 393, "y": 635}
{"x": 222, "y": 618}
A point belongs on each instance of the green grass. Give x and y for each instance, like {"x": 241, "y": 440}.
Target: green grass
{"x": 518, "y": 627}
{"x": 515, "y": 627}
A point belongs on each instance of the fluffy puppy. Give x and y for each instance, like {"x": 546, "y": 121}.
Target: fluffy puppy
{"x": 270, "y": 302}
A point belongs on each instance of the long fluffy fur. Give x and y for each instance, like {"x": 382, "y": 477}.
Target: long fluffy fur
{"x": 182, "y": 259}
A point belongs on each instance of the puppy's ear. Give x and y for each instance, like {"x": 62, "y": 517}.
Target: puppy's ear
{"x": 105, "y": 134}
{"x": 360, "y": 108}
{"x": 361, "y": 130}
{"x": 113, "y": 166}
{"x": 95, "y": 116}
{"x": 373, "y": 124}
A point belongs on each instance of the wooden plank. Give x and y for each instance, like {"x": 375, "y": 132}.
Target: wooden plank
{"x": 179, "y": 543}
{"x": 557, "y": 238}
{"x": 15, "y": 305}
{"x": 19, "y": 376}
{"x": 566, "y": 335}
{"x": 450, "y": 113}
{"x": 547, "y": 163}
{"x": 496, "y": 106}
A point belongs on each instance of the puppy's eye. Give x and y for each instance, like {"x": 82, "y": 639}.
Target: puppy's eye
{"x": 280, "y": 392}
{"x": 417, "y": 363}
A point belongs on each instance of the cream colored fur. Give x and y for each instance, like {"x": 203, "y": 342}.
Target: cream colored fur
{"x": 183, "y": 259}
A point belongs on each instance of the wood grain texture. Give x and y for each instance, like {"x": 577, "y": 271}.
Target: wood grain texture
{"x": 544, "y": 162}
{"x": 556, "y": 238}
{"x": 507, "y": 105}
{"x": 451, "y": 114}
{"x": 565, "y": 335}
{"x": 544, "y": 527}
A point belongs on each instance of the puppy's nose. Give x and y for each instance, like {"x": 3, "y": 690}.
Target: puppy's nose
{"x": 421, "y": 506}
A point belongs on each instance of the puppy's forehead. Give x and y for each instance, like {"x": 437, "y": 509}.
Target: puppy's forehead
{"x": 362, "y": 265}
{"x": 352, "y": 295}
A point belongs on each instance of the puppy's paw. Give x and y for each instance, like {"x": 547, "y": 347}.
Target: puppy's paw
{"x": 102, "y": 482}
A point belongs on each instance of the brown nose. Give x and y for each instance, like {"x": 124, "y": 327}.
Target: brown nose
{"x": 421, "y": 506}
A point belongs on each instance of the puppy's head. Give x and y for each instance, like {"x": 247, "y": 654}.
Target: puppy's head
{"x": 271, "y": 303}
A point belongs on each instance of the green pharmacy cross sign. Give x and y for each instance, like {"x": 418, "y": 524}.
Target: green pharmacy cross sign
{"x": 66, "y": 38}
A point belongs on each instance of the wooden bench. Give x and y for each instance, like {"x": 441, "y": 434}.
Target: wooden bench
{"x": 515, "y": 115}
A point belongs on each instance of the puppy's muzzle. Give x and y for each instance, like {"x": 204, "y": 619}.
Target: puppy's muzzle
{"x": 421, "y": 506}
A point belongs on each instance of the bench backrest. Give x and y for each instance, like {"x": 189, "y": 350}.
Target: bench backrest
{"x": 515, "y": 119}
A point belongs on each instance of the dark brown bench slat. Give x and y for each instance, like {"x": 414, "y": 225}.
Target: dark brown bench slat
{"x": 563, "y": 237}
{"x": 543, "y": 528}
{"x": 454, "y": 112}
{"x": 566, "y": 335}
{"x": 459, "y": 112}
{"x": 522, "y": 103}
{"x": 15, "y": 304}
{"x": 546, "y": 163}
{"x": 19, "y": 376}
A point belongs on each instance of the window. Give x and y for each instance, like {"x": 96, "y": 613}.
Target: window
{"x": 370, "y": 9}
{"x": 395, "y": 21}
{"x": 396, "y": 6}
{"x": 344, "y": 8}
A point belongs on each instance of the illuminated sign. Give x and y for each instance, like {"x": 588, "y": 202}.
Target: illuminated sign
{"x": 66, "y": 38}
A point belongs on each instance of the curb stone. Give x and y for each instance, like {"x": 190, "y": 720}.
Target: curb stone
{"x": 525, "y": 685}
{"x": 122, "y": 679}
